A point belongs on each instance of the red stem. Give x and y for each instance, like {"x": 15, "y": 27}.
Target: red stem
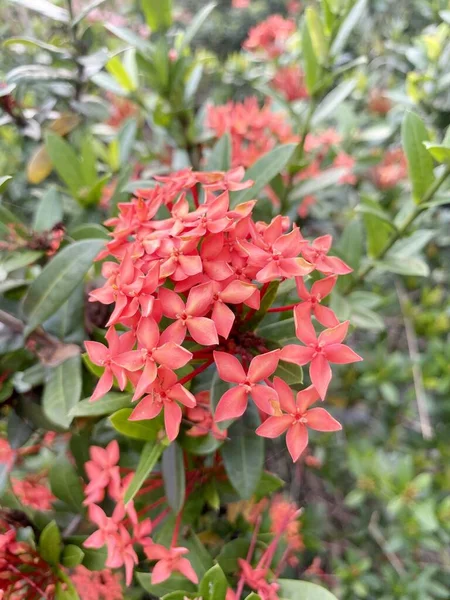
{"x": 176, "y": 529}
{"x": 282, "y": 308}
{"x": 160, "y": 517}
{"x": 195, "y": 372}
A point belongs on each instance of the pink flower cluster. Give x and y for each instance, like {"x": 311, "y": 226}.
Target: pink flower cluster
{"x": 186, "y": 286}
{"x": 253, "y": 130}
{"x": 97, "y": 585}
{"x": 269, "y": 37}
{"x": 290, "y": 81}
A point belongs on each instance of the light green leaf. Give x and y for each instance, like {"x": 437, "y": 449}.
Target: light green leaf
{"x": 243, "y": 455}
{"x": 108, "y": 404}
{"x": 147, "y": 430}
{"x": 174, "y": 476}
{"x": 331, "y": 102}
{"x": 351, "y": 20}
{"x": 420, "y": 163}
{"x": 438, "y": 151}
{"x": 49, "y": 210}
{"x": 72, "y": 556}
{"x": 196, "y": 25}
{"x": 62, "y": 391}
{"x": 88, "y": 161}
{"x": 328, "y": 178}
{"x": 45, "y": 8}
{"x": 263, "y": 171}
{"x": 311, "y": 65}
{"x": 4, "y": 180}
{"x": 50, "y": 544}
{"x": 214, "y": 584}
{"x": 175, "y": 583}
{"x": 292, "y": 589}
{"x": 126, "y": 138}
{"x": 316, "y": 34}
{"x": 157, "y": 14}
{"x": 150, "y": 455}
{"x": 378, "y": 230}
{"x": 115, "y": 67}
{"x": 57, "y": 281}
{"x": 220, "y": 157}
{"x": 108, "y": 83}
{"x": 404, "y": 265}
{"x": 89, "y": 231}
{"x": 27, "y": 41}
{"x": 65, "y": 161}
{"x": 130, "y": 38}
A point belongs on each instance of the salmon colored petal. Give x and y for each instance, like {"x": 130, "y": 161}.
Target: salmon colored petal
{"x": 113, "y": 452}
{"x": 285, "y": 395}
{"x": 199, "y": 300}
{"x": 223, "y": 318}
{"x": 334, "y": 335}
{"x": 289, "y": 244}
{"x": 185, "y": 568}
{"x": 203, "y": 331}
{"x": 176, "y": 332}
{"x": 237, "y": 292}
{"x": 321, "y": 420}
{"x": 172, "y": 355}
{"x": 323, "y": 287}
{"x": 97, "y": 352}
{"x": 166, "y": 378}
{"x": 265, "y": 398}
{"x": 156, "y": 552}
{"x": 297, "y": 440}
{"x": 161, "y": 572}
{"x": 103, "y": 386}
{"x": 232, "y": 404}
{"x": 148, "y": 333}
{"x": 180, "y": 393}
{"x": 171, "y": 303}
{"x": 320, "y": 373}
{"x": 322, "y": 243}
{"x": 325, "y": 316}
{"x": 336, "y": 265}
{"x": 274, "y": 426}
{"x": 306, "y": 397}
{"x": 298, "y": 355}
{"x": 304, "y": 329}
{"x": 172, "y": 419}
{"x": 263, "y": 366}
{"x": 146, "y": 409}
{"x": 341, "y": 354}
{"x": 131, "y": 361}
{"x": 302, "y": 290}
{"x": 191, "y": 264}
{"x": 146, "y": 379}
{"x": 229, "y": 368}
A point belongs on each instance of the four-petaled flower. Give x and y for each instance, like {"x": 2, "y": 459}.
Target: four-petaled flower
{"x": 297, "y": 417}
{"x": 168, "y": 561}
{"x": 311, "y": 301}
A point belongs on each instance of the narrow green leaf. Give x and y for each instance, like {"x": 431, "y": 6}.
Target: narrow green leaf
{"x": 45, "y": 8}
{"x": 327, "y": 179}
{"x": 174, "y": 476}
{"x": 157, "y": 14}
{"x": 243, "y": 455}
{"x": 404, "y": 265}
{"x": 196, "y": 25}
{"x": 150, "y": 455}
{"x": 378, "y": 230}
{"x": 266, "y": 302}
{"x": 62, "y": 391}
{"x": 88, "y": 161}
{"x": 89, "y": 231}
{"x": 220, "y": 157}
{"x": 110, "y": 403}
{"x": 57, "y": 281}
{"x": 126, "y": 138}
{"x": 49, "y": 210}
{"x": 263, "y": 171}
{"x": 130, "y": 38}
{"x": 66, "y": 485}
{"x": 420, "y": 163}
{"x": 317, "y": 34}
{"x": 72, "y": 556}
{"x": 147, "y": 430}
{"x": 214, "y": 584}
{"x": 439, "y": 152}
{"x": 115, "y": 67}
{"x": 65, "y": 161}
{"x": 50, "y": 544}
{"x": 311, "y": 65}
{"x": 86, "y": 10}
{"x": 27, "y": 41}
{"x": 332, "y": 101}
{"x": 352, "y": 19}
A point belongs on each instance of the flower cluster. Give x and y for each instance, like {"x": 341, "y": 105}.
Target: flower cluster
{"x": 186, "y": 287}
{"x": 97, "y": 585}
{"x": 32, "y": 492}
{"x": 253, "y": 130}
{"x": 391, "y": 170}
{"x": 290, "y": 81}
{"x": 269, "y": 38}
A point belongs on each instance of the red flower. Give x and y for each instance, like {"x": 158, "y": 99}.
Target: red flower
{"x": 103, "y": 472}
{"x": 234, "y": 402}
{"x": 319, "y": 351}
{"x": 316, "y": 253}
{"x": 297, "y": 418}
{"x": 169, "y": 561}
{"x": 319, "y": 290}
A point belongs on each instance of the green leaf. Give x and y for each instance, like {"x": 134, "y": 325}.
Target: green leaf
{"x": 373, "y": 208}
{"x": 289, "y": 372}
{"x": 352, "y": 19}
{"x": 150, "y": 455}
{"x": 328, "y": 178}
{"x": 57, "y": 281}
{"x": 157, "y": 14}
{"x": 88, "y": 161}
{"x": 126, "y": 138}
{"x": 253, "y": 596}
{"x": 45, "y": 8}
{"x": 438, "y": 151}
{"x": 146, "y": 430}
{"x": 243, "y": 455}
{"x": 94, "y": 558}
{"x": 220, "y": 157}
{"x": 4, "y": 180}
{"x": 175, "y": 583}
{"x": 115, "y": 67}
{"x": 196, "y": 25}
{"x": 86, "y": 10}
{"x": 108, "y": 404}
{"x": 331, "y": 102}
{"x": 292, "y": 589}
{"x": 351, "y": 243}
{"x": 214, "y": 584}
{"x": 18, "y": 430}
{"x": 65, "y": 161}
{"x": 28, "y": 41}
{"x": 13, "y": 261}
{"x": 50, "y": 544}
{"x": 420, "y": 163}
{"x": 72, "y": 556}
{"x": 230, "y": 553}
{"x": 377, "y": 229}
{"x": 108, "y": 83}
{"x": 311, "y": 65}
{"x": 62, "y": 391}
{"x": 404, "y": 265}
{"x": 66, "y": 485}
{"x": 317, "y": 34}
{"x": 266, "y": 302}
{"x": 174, "y": 476}
{"x": 89, "y": 231}
{"x": 268, "y": 484}
{"x": 365, "y": 318}
{"x": 278, "y": 332}
{"x": 130, "y": 38}
{"x": 179, "y": 596}
{"x": 412, "y": 244}
{"x": 263, "y": 171}
{"x": 49, "y": 210}
{"x": 67, "y": 322}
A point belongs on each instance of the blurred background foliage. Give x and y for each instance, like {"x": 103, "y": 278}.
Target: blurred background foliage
{"x": 91, "y": 110}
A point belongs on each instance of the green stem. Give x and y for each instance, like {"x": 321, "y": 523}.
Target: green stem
{"x": 403, "y": 229}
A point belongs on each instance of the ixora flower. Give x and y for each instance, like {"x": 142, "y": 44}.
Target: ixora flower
{"x": 188, "y": 290}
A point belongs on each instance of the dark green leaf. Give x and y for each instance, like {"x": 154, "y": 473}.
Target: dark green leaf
{"x": 65, "y": 161}
{"x": 19, "y": 430}
{"x": 173, "y": 584}
{"x": 108, "y": 404}
{"x": 127, "y": 137}
{"x": 72, "y": 556}
{"x": 263, "y": 171}
{"x": 278, "y": 332}
{"x": 174, "y": 476}
{"x": 50, "y": 544}
{"x": 243, "y": 455}
{"x": 378, "y": 230}
{"x": 146, "y": 430}
{"x": 150, "y": 455}
{"x": 67, "y": 322}
{"x": 62, "y": 391}
{"x": 58, "y": 280}
{"x": 268, "y": 484}
{"x": 214, "y": 584}
{"x": 94, "y": 558}
{"x": 266, "y": 302}
{"x": 230, "y": 553}
{"x": 420, "y": 163}
{"x": 66, "y": 485}
{"x": 220, "y": 157}
{"x": 289, "y": 372}
{"x": 218, "y": 389}
{"x": 351, "y": 243}
{"x": 89, "y": 231}
{"x": 49, "y": 211}
{"x": 352, "y": 19}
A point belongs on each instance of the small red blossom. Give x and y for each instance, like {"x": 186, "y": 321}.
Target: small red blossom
{"x": 169, "y": 561}
{"x": 270, "y": 36}
{"x": 290, "y": 81}
{"x": 103, "y": 472}
{"x": 312, "y": 299}
{"x": 317, "y": 253}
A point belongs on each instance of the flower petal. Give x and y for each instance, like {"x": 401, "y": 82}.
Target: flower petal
{"x": 298, "y": 355}
{"x": 320, "y": 373}
{"x": 171, "y": 303}
{"x": 297, "y": 440}
{"x": 285, "y": 395}
{"x": 335, "y": 335}
{"x": 263, "y": 366}
{"x": 232, "y": 404}
{"x": 172, "y": 355}
{"x": 321, "y": 420}
{"x": 229, "y": 368}
{"x": 341, "y": 354}
{"x": 172, "y": 419}
{"x": 203, "y": 331}
{"x": 306, "y": 397}
{"x": 274, "y": 426}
